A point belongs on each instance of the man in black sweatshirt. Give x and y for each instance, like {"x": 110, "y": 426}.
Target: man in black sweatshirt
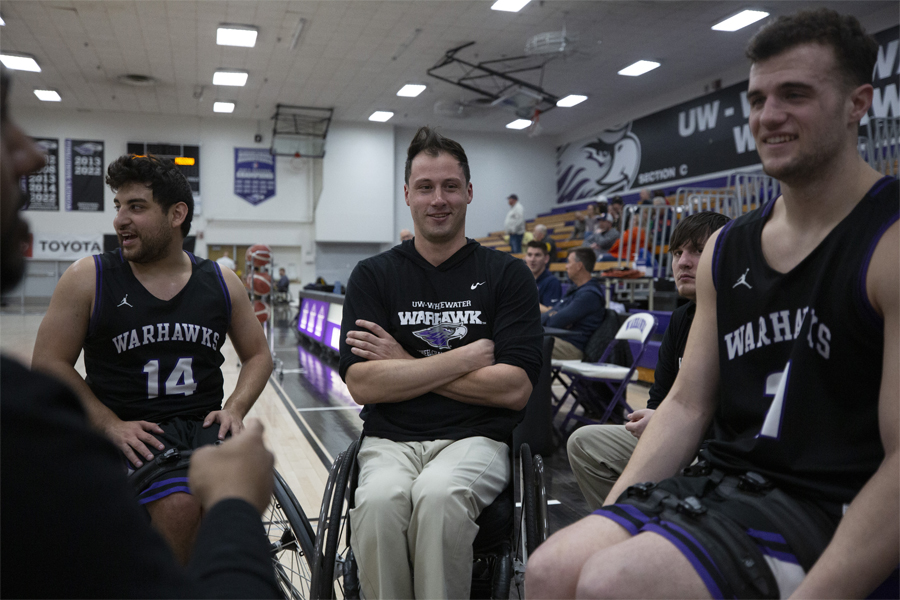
{"x": 442, "y": 346}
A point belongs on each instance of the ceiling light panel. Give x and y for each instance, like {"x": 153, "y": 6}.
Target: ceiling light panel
{"x": 380, "y": 116}
{"x": 639, "y": 68}
{"x": 571, "y": 100}
{"x": 236, "y": 35}
{"x": 519, "y": 124}
{"x": 48, "y": 95}
{"x": 236, "y": 78}
{"x": 411, "y": 90}
{"x": 223, "y": 107}
{"x": 740, "y": 20}
{"x": 509, "y": 5}
{"x": 2, "y": 22}
{"x": 20, "y": 62}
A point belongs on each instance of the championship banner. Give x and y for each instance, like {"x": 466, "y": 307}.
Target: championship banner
{"x": 84, "y": 175}
{"x": 64, "y": 246}
{"x": 254, "y": 174}
{"x": 43, "y": 187}
{"x": 704, "y": 136}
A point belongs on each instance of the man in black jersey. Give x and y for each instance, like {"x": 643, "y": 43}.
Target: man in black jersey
{"x": 793, "y": 355}
{"x": 152, "y": 319}
{"x": 442, "y": 346}
{"x": 64, "y": 482}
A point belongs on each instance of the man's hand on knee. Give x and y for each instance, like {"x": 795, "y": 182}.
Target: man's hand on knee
{"x": 228, "y": 421}
{"x": 241, "y": 468}
{"x": 133, "y": 437}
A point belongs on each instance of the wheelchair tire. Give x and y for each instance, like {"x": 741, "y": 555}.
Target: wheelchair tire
{"x": 293, "y": 546}
{"x": 331, "y": 523}
{"x": 528, "y": 497}
{"x": 540, "y": 501}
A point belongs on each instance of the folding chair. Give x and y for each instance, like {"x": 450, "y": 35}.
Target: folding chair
{"x": 584, "y": 376}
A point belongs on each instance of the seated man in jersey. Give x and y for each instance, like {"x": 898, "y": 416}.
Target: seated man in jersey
{"x": 152, "y": 319}
{"x": 549, "y": 288}
{"x": 792, "y": 356}
{"x": 581, "y": 310}
{"x": 598, "y": 453}
{"x": 443, "y": 346}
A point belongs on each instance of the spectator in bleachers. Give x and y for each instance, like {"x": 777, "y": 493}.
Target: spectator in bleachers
{"x": 515, "y": 223}
{"x": 661, "y": 220}
{"x": 578, "y": 227}
{"x": 644, "y": 196}
{"x": 549, "y": 287}
{"x": 603, "y": 236}
{"x": 632, "y": 240}
{"x": 581, "y": 310}
{"x": 598, "y": 453}
{"x": 616, "y": 206}
{"x": 405, "y": 234}
{"x": 541, "y": 235}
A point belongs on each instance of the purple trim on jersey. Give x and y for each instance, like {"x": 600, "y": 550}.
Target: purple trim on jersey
{"x": 880, "y": 184}
{"x": 98, "y": 288}
{"x": 868, "y": 310}
{"x": 628, "y": 525}
{"x": 717, "y": 255}
{"x": 708, "y": 581}
{"x": 224, "y": 291}
{"x": 121, "y": 256}
{"x": 163, "y": 482}
{"x": 191, "y": 256}
{"x": 684, "y": 532}
{"x": 767, "y": 536}
{"x": 634, "y": 512}
{"x": 165, "y": 493}
{"x": 767, "y": 209}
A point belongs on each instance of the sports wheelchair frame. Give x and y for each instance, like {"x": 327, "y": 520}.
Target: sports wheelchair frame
{"x": 290, "y": 534}
{"x": 501, "y": 547}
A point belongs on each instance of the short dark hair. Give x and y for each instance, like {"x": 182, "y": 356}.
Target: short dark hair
{"x": 695, "y": 229}
{"x": 432, "y": 143}
{"x": 541, "y": 245}
{"x": 586, "y": 257}
{"x": 854, "y": 50}
{"x": 165, "y": 180}
{"x": 617, "y": 200}
{"x": 513, "y": 196}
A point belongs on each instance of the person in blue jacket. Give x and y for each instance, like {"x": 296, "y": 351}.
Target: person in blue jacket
{"x": 581, "y": 310}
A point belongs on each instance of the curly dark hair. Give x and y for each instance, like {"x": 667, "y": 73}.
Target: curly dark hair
{"x": 165, "y": 180}
{"x": 695, "y": 229}
{"x": 433, "y": 143}
{"x": 855, "y": 51}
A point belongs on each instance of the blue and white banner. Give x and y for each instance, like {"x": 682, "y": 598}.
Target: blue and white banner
{"x": 254, "y": 174}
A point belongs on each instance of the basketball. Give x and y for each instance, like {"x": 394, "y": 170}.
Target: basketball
{"x": 261, "y": 309}
{"x": 262, "y": 283}
{"x": 246, "y": 280}
{"x": 259, "y": 254}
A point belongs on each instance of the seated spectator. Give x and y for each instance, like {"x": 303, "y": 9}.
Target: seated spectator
{"x": 549, "y": 287}
{"x": 633, "y": 239}
{"x": 603, "y": 236}
{"x": 598, "y": 453}
{"x": 578, "y": 227}
{"x": 540, "y": 235}
{"x": 283, "y": 282}
{"x": 582, "y": 309}
{"x": 616, "y": 206}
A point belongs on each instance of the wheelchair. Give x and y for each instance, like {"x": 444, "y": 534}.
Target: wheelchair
{"x": 291, "y": 537}
{"x": 501, "y": 547}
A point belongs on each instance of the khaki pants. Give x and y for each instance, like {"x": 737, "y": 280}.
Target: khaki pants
{"x": 598, "y": 455}
{"x": 563, "y": 350}
{"x": 416, "y": 505}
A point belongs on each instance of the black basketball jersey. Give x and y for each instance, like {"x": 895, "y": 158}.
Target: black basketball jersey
{"x": 800, "y": 355}
{"x": 149, "y": 359}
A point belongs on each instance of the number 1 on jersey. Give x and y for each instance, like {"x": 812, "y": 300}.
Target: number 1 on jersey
{"x": 776, "y": 384}
{"x": 180, "y": 381}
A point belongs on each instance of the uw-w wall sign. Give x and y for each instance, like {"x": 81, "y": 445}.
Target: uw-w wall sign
{"x": 704, "y": 136}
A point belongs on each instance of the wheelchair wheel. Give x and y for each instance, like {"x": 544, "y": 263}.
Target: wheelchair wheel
{"x": 292, "y": 545}
{"x": 528, "y": 518}
{"x": 331, "y": 527}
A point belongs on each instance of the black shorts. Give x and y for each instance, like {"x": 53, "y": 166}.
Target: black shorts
{"x": 183, "y": 433}
{"x": 743, "y": 537}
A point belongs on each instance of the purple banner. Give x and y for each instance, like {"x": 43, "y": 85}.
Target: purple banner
{"x": 254, "y": 174}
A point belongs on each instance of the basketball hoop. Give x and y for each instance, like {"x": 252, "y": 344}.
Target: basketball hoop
{"x": 298, "y": 163}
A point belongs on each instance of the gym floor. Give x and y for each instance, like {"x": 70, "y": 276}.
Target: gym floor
{"x": 310, "y": 417}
